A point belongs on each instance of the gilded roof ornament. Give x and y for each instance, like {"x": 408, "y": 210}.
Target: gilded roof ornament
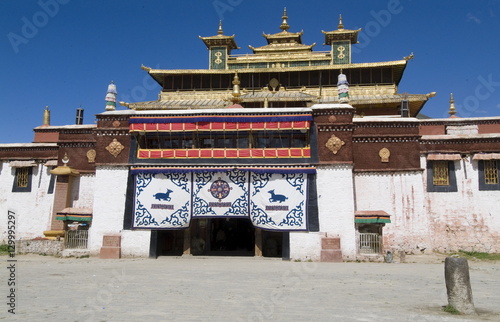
{"x": 65, "y": 170}
{"x": 284, "y": 24}
{"x": 146, "y": 68}
{"x": 341, "y": 25}
{"x": 122, "y": 103}
{"x": 46, "y": 116}
{"x": 452, "y": 111}
{"x": 341, "y": 34}
{"x": 220, "y": 31}
{"x": 65, "y": 159}
{"x": 220, "y": 39}
{"x": 410, "y": 57}
{"x": 236, "y": 89}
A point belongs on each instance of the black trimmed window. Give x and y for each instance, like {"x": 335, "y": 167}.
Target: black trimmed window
{"x": 488, "y": 174}
{"x": 22, "y": 179}
{"x": 50, "y": 190}
{"x": 441, "y": 176}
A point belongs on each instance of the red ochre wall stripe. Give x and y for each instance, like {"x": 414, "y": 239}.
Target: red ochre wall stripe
{"x": 223, "y": 153}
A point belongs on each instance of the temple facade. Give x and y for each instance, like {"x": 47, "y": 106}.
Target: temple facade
{"x": 285, "y": 152}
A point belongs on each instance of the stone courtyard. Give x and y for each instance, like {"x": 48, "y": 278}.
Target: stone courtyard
{"x": 240, "y": 289}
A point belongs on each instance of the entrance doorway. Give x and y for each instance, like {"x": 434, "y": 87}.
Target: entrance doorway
{"x": 169, "y": 242}
{"x": 222, "y": 237}
{"x": 218, "y": 237}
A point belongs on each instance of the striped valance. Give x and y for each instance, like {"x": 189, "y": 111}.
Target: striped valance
{"x": 75, "y": 214}
{"x": 220, "y": 122}
{"x": 223, "y": 153}
{"x": 254, "y": 169}
{"x": 372, "y": 217}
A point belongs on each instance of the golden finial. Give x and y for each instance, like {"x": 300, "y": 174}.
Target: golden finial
{"x": 146, "y": 68}
{"x": 409, "y": 57}
{"x": 452, "y": 110}
{"x": 236, "y": 89}
{"x": 341, "y": 25}
{"x": 220, "y": 32}
{"x": 46, "y": 116}
{"x": 65, "y": 159}
{"x": 284, "y": 25}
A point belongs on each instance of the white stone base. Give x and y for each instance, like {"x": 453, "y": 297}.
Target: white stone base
{"x": 76, "y": 253}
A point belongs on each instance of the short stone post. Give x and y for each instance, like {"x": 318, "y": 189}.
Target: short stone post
{"x": 402, "y": 256}
{"x": 456, "y": 274}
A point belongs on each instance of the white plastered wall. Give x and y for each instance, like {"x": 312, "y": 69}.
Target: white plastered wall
{"x": 336, "y": 214}
{"x": 82, "y": 193}
{"x": 468, "y": 219}
{"x": 401, "y": 195}
{"x": 33, "y": 209}
{"x": 109, "y": 207}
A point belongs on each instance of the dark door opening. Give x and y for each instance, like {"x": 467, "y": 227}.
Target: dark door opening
{"x": 218, "y": 237}
{"x": 169, "y": 242}
{"x": 222, "y": 237}
{"x": 272, "y": 243}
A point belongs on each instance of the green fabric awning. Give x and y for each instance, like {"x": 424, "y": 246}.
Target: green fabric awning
{"x": 372, "y": 217}
{"x": 75, "y": 214}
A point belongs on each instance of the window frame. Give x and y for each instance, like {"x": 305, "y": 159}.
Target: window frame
{"x": 481, "y": 178}
{"x": 451, "y": 187}
{"x": 16, "y": 187}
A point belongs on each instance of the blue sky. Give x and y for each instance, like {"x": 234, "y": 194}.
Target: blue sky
{"x": 64, "y": 53}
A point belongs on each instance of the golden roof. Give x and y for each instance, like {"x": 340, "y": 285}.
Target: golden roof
{"x": 220, "y": 39}
{"x": 283, "y": 41}
{"x": 282, "y": 47}
{"x": 399, "y": 64}
{"x": 341, "y": 34}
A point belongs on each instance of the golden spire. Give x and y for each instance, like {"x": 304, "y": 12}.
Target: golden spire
{"x": 236, "y": 90}
{"x": 341, "y": 25}
{"x": 220, "y": 32}
{"x": 452, "y": 110}
{"x": 46, "y": 116}
{"x": 284, "y": 25}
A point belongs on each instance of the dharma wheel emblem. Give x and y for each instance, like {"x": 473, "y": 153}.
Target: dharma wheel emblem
{"x": 220, "y": 189}
{"x": 115, "y": 148}
{"x": 384, "y": 154}
{"x": 334, "y": 144}
{"x": 91, "y": 154}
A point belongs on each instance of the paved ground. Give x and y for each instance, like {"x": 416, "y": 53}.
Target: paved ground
{"x": 238, "y": 289}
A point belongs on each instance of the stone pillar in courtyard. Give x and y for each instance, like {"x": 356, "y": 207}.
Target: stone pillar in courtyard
{"x": 456, "y": 272}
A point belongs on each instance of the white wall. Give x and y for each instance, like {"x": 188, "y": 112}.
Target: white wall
{"x": 336, "y": 206}
{"x": 401, "y": 195}
{"x": 82, "y": 193}
{"x": 33, "y": 209}
{"x": 468, "y": 219}
{"x": 109, "y": 207}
